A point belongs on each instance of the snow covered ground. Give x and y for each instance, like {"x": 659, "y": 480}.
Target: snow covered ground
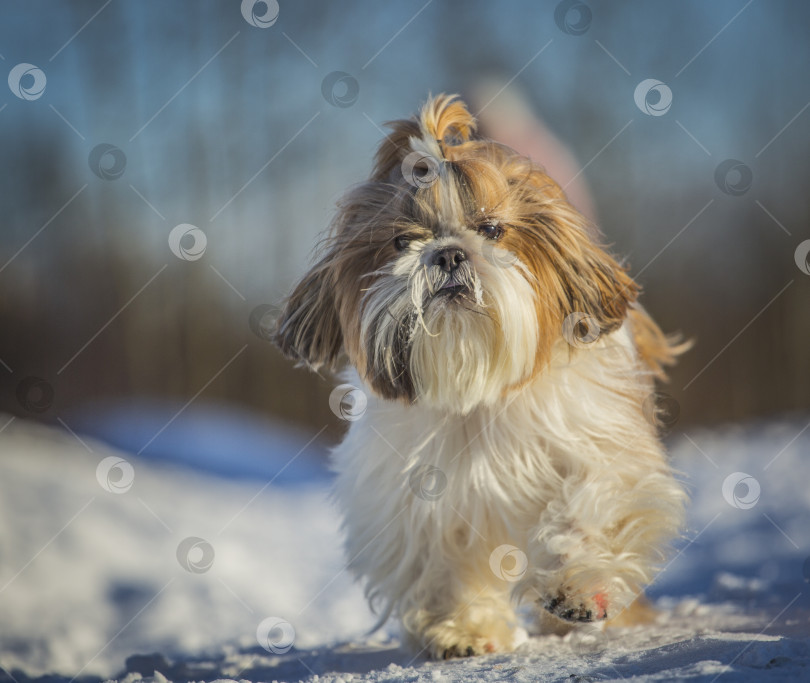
{"x": 113, "y": 565}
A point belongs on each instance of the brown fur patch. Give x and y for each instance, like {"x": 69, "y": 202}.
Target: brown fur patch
{"x": 656, "y": 349}
{"x": 481, "y": 181}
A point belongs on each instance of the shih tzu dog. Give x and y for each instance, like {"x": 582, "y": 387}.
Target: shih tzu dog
{"x": 504, "y": 455}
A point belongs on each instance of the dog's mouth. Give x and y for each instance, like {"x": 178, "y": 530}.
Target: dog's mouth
{"x": 452, "y": 288}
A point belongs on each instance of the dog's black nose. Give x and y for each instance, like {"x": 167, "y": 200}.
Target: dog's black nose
{"x": 449, "y": 258}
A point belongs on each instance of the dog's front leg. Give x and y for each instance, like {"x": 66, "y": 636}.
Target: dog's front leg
{"x": 596, "y": 549}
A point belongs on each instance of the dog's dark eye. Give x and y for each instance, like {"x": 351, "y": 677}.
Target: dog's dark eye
{"x": 401, "y": 243}
{"x": 490, "y": 231}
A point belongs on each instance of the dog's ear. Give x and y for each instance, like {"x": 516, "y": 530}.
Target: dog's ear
{"x": 394, "y": 148}
{"x": 571, "y": 267}
{"x": 308, "y": 330}
{"x": 594, "y": 282}
{"x": 603, "y": 289}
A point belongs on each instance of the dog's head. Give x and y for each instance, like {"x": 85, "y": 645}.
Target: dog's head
{"x": 451, "y": 273}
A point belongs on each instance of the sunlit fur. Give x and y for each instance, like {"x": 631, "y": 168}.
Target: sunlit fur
{"x": 539, "y": 437}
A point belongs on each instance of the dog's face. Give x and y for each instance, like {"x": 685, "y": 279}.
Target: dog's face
{"x": 449, "y": 275}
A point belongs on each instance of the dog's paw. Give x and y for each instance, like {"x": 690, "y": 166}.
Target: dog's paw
{"x": 576, "y": 609}
{"x": 464, "y": 650}
{"x": 449, "y": 641}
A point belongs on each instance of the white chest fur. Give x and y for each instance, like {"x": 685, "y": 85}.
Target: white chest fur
{"x": 561, "y": 469}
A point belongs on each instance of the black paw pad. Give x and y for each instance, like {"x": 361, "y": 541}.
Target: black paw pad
{"x": 457, "y": 651}
{"x": 561, "y": 608}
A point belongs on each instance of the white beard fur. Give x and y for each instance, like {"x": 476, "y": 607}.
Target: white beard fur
{"x": 458, "y": 360}
{"x": 566, "y": 469}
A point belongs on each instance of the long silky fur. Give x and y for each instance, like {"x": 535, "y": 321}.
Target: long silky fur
{"x": 541, "y": 443}
{"x": 567, "y": 470}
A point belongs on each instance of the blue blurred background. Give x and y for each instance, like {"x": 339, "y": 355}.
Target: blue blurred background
{"x": 223, "y": 116}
